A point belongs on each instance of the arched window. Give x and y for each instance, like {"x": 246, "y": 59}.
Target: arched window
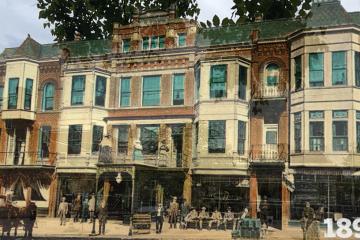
{"x": 48, "y": 97}
{"x": 272, "y": 73}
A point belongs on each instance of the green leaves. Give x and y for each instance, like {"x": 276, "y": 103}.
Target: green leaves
{"x": 94, "y": 18}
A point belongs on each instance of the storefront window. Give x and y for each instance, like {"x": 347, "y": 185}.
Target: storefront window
{"x": 216, "y": 141}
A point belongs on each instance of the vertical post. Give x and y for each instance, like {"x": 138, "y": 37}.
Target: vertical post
{"x": 93, "y": 233}
{"x": 328, "y": 202}
{"x": 253, "y": 195}
{"x": 132, "y": 200}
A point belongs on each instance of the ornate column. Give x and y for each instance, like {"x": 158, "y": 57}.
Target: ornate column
{"x": 253, "y": 195}
{"x": 187, "y": 188}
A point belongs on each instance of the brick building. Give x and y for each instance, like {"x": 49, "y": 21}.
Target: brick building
{"x": 220, "y": 117}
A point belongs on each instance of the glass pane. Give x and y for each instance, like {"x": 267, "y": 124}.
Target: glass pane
{"x": 100, "y": 92}
{"x": 149, "y": 137}
{"x": 358, "y": 137}
{"x": 242, "y": 82}
{"x": 126, "y": 45}
{"x": 28, "y": 93}
{"x": 316, "y": 65}
{"x": 1, "y": 96}
{"x": 316, "y": 129}
{"x": 151, "y": 91}
{"x": 298, "y": 72}
{"x": 78, "y": 88}
{"x": 357, "y": 69}
{"x": 338, "y": 60}
{"x": 216, "y": 140}
{"x": 123, "y": 134}
{"x": 271, "y": 137}
{"x": 96, "y": 138}
{"x": 241, "y": 137}
{"x": 340, "y": 114}
{"x": 218, "y": 73}
{"x": 13, "y": 93}
{"x": 182, "y": 40}
{"x": 154, "y": 42}
{"x": 316, "y": 115}
{"x": 48, "y": 97}
{"x": 162, "y": 42}
{"x": 74, "y": 139}
{"x": 178, "y": 89}
{"x": 272, "y": 75}
{"x": 125, "y": 92}
{"x": 145, "y": 43}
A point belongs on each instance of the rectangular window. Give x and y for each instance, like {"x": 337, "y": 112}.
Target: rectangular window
{"x": 1, "y": 96}
{"x": 97, "y": 136}
{"x": 161, "y": 42}
{"x": 151, "y": 91}
{"x": 197, "y": 82}
{"x": 78, "y": 89}
{"x": 178, "y": 89}
{"x": 146, "y": 43}
{"x": 126, "y": 45}
{"x": 28, "y": 93}
{"x": 297, "y": 132}
{"x": 242, "y": 82}
{"x": 123, "y": 139}
{"x": 340, "y": 136}
{"x": 316, "y": 115}
{"x": 216, "y": 140}
{"x": 358, "y": 136}
{"x": 44, "y": 141}
{"x": 241, "y": 137}
{"x": 74, "y": 139}
{"x": 181, "y": 39}
{"x": 316, "y": 66}
{"x": 316, "y": 136}
{"x": 125, "y": 92}
{"x": 218, "y": 81}
{"x": 13, "y": 93}
{"x": 100, "y": 91}
{"x": 298, "y": 73}
{"x": 340, "y": 114}
{"x": 149, "y": 138}
{"x": 357, "y": 69}
{"x": 339, "y": 68}
{"x": 154, "y": 42}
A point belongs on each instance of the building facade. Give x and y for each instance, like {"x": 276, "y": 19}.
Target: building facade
{"x": 225, "y": 116}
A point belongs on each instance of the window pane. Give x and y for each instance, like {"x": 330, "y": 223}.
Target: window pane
{"x": 125, "y": 92}
{"x": 13, "y": 93}
{"x": 28, "y": 93}
{"x": 182, "y": 40}
{"x": 358, "y": 137}
{"x": 242, "y": 82}
{"x": 272, "y": 75}
{"x": 123, "y": 136}
{"x": 241, "y": 137}
{"x": 316, "y": 136}
{"x": 74, "y": 139}
{"x": 271, "y": 137}
{"x": 339, "y": 68}
{"x": 178, "y": 89}
{"x": 151, "y": 91}
{"x": 298, "y": 72}
{"x": 146, "y": 43}
{"x": 197, "y": 82}
{"x": 218, "y": 81}
{"x": 357, "y": 69}
{"x": 78, "y": 88}
{"x": 100, "y": 91}
{"x": 48, "y": 97}
{"x": 216, "y": 140}
{"x": 149, "y": 137}
{"x": 162, "y": 42}
{"x": 340, "y": 114}
{"x": 96, "y": 138}
{"x": 1, "y": 96}
{"x": 340, "y": 139}
{"x": 316, "y": 115}
{"x": 316, "y": 66}
{"x": 126, "y": 45}
{"x": 154, "y": 42}
{"x": 44, "y": 141}
{"x": 297, "y": 132}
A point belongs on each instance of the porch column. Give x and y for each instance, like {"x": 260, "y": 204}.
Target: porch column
{"x": 253, "y": 196}
{"x": 106, "y": 190}
{"x": 52, "y": 197}
{"x": 187, "y": 188}
{"x": 285, "y": 206}
{"x": 27, "y": 193}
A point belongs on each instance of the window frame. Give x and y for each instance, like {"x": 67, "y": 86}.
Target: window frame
{"x": 181, "y": 101}
{"x": 298, "y": 72}
{"x": 45, "y": 98}
{"x": 72, "y": 103}
{"x": 157, "y": 91}
{"x": 334, "y": 68}
{"x": 357, "y": 68}
{"x": 316, "y": 83}
{"x": 95, "y": 143}
{"x": 122, "y": 92}
{"x": 213, "y": 83}
{"x": 340, "y": 119}
{"x": 179, "y": 35}
{"x": 126, "y": 45}
{"x": 144, "y": 140}
{"x": 72, "y": 141}
{"x": 41, "y": 154}
{"x": 297, "y": 129}
{"x": 29, "y": 85}
{"x": 221, "y": 138}
{"x": 321, "y": 138}
{"x": 242, "y": 82}
{"x": 266, "y": 79}
{"x": 12, "y": 95}
{"x": 1, "y": 97}
{"x": 123, "y": 144}
{"x": 103, "y": 93}
{"x": 241, "y": 144}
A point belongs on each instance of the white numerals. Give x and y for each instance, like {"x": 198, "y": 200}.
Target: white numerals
{"x": 344, "y": 229}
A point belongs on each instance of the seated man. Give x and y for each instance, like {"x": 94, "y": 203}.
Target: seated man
{"x": 215, "y": 218}
{"x": 191, "y": 217}
{"x": 229, "y": 218}
{"x": 203, "y": 215}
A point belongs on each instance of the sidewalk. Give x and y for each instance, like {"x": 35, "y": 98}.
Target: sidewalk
{"x": 48, "y": 228}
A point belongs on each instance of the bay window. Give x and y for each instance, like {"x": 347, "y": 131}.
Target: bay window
{"x": 217, "y": 136}
{"x": 78, "y": 89}
{"x": 218, "y": 78}
{"x": 74, "y": 139}
{"x": 339, "y": 68}
{"x": 316, "y": 68}
{"x": 13, "y": 93}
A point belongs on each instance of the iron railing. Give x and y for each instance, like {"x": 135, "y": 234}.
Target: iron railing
{"x": 270, "y": 92}
{"x": 268, "y": 153}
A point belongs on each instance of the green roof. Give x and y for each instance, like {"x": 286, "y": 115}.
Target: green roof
{"x": 240, "y": 33}
{"x": 34, "y": 50}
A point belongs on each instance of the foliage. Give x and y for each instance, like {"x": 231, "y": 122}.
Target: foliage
{"x": 94, "y": 19}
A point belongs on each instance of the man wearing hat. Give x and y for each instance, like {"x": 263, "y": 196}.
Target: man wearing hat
{"x": 203, "y": 215}
{"x": 215, "y": 218}
{"x": 63, "y": 210}
{"x": 229, "y": 218}
{"x": 173, "y": 212}
{"x": 159, "y": 218}
{"x": 191, "y": 217}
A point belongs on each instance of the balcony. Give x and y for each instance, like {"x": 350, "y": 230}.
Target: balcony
{"x": 155, "y": 160}
{"x": 27, "y": 159}
{"x": 18, "y": 114}
{"x": 268, "y": 154}
{"x": 268, "y": 92}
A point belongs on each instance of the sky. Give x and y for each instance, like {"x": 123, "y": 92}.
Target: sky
{"x": 20, "y": 17}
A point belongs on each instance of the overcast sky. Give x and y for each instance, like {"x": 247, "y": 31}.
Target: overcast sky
{"x": 20, "y": 17}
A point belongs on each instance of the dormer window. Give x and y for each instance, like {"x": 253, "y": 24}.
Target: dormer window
{"x": 181, "y": 40}
{"x": 126, "y": 45}
{"x": 155, "y": 42}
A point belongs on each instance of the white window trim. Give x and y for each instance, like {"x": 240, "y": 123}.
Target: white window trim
{"x": 142, "y": 92}
{"x": 172, "y": 88}
{"x": 120, "y": 80}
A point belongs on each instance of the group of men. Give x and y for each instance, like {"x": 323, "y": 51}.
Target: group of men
{"x": 79, "y": 208}
{"x": 189, "y": 215}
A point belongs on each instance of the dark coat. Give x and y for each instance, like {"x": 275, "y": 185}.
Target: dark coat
{"x": 102, "y": 214}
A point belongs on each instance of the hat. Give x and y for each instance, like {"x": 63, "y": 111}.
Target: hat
{"x": 203, "y": 208}
{"x": 229, "y": 208}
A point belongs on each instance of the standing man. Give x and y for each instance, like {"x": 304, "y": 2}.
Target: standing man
{"x": 229, "y": 217}
{"x": 215, "y": 218}
{"x": 264, "y": 211}
{"x": 174, "y": 208}
{"x": 307, "y": 218}
{"x": 203, "y": 215}
{"x": 85, "y": 209}
{"x": 63, "y": 211}
{"x": 102, "y": 215}
{"x": 29, "y": 220}
{"x": 92, "y": 208}
{"x": 159, "y": 218}
{"x": 77, "y": 208}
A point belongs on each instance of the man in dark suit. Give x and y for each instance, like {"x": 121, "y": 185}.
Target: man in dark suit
{"x": 159, "y": 217}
